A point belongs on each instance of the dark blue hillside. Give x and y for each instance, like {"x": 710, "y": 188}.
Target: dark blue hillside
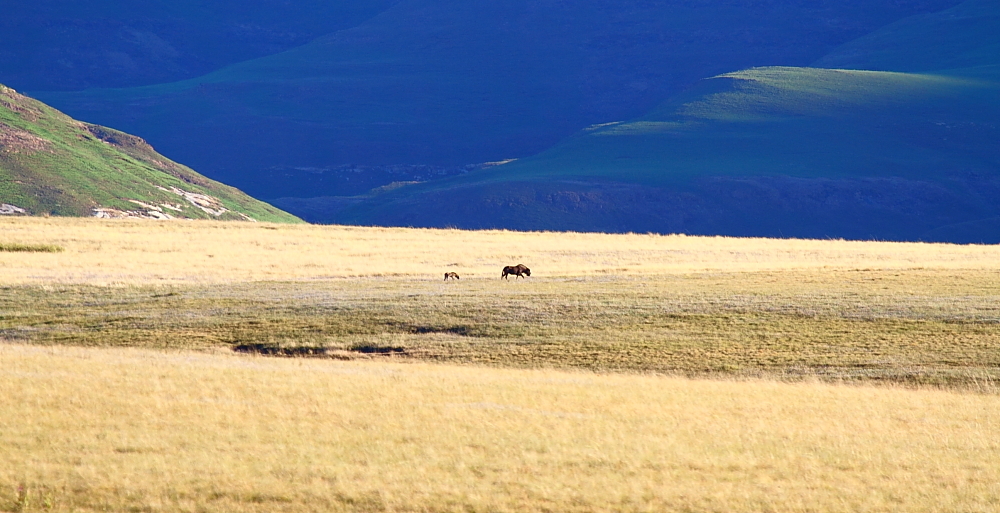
{"x": 73, "y": 45}
{"x": 962, "y": 37}
{"x": 457, "y": 82}
{"x": 774, "y": 151}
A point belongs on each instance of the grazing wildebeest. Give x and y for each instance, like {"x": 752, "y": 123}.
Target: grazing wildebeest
{"x": 451, "y": 275}
{"x": 518, "y": 270}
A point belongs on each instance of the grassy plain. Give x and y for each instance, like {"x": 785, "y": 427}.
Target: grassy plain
{"x": 122, "y": 389}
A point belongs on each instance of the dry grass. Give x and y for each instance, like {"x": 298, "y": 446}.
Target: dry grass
{"x": 143, "y": 252}
{"x": 202, "y": 432}
{"x": 130, "y": 428}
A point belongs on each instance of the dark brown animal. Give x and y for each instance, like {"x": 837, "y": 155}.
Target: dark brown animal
{"x": 451, "y": 275}
{"x": 518, "y": 271}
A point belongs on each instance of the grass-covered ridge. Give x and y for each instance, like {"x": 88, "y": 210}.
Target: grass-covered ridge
{"x": 51, "y": 164}
{"x": 760, "y": 93}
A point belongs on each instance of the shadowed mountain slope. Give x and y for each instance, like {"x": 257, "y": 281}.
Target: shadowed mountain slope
{"x": 775, "y": 151}
{"x": 455, "y": 82}
{"x": 72, "y": 45}
{"x": 53, "y": 164}
{"x": 961, "y": 37}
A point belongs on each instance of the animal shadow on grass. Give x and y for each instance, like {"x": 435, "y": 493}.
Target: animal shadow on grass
{"x": 464, "y": 331}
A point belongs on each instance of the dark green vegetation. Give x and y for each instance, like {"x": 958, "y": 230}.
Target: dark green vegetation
{"x": 912, "y": 327}
{"x": 776, "y": 151}
{"x": 30, "y": 248}
{"x": 52, "y": 164}
{"x": 457, "y": 82}
{"x": 71, "y": 45}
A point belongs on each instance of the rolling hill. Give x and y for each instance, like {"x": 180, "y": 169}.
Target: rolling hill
{"x": 51, "y": 164}
{"x": 459, "y": 82}
{"x": 773, "y": 151}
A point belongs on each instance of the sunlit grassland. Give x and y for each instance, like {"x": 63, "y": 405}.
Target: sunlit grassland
{"x": 89, "y": 429}
{"x": 120, "y": 386}
{"x": 125, "y": 252}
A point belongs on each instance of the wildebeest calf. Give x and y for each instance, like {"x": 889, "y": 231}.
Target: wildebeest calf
{"x": 451, "y": 275}
{"x": 518, "y": 270}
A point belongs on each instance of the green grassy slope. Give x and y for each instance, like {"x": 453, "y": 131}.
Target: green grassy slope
{"x": 53, "y": 164}
{"x": 764, "y": 151}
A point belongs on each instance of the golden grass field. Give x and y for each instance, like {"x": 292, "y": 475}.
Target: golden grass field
{"x": 139, "y": 430}
{"x": 629, "y": 373}
{"x": 129, "y": 252}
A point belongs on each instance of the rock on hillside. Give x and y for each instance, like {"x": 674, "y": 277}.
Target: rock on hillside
{"x": 51, "y": 164}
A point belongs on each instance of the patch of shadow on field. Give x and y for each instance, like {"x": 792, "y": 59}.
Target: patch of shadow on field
{"x": 19, "y": 334}
{"x": 318, "y": 352}
{"x": 464, "y": 331}
{"x": 376, "y": 349}
{"x": 273, "y": 350}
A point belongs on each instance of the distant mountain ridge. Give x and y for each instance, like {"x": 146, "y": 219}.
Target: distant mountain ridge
{"x": 773, "y": 151}
{"x": 51, "y": 164}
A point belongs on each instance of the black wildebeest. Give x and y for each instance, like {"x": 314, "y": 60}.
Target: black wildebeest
{"x": 451, "y": 275}
{"x": 518, "y": 270}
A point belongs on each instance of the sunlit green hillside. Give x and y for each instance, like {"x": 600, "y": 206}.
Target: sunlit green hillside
{"x": 53, "y": 164}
